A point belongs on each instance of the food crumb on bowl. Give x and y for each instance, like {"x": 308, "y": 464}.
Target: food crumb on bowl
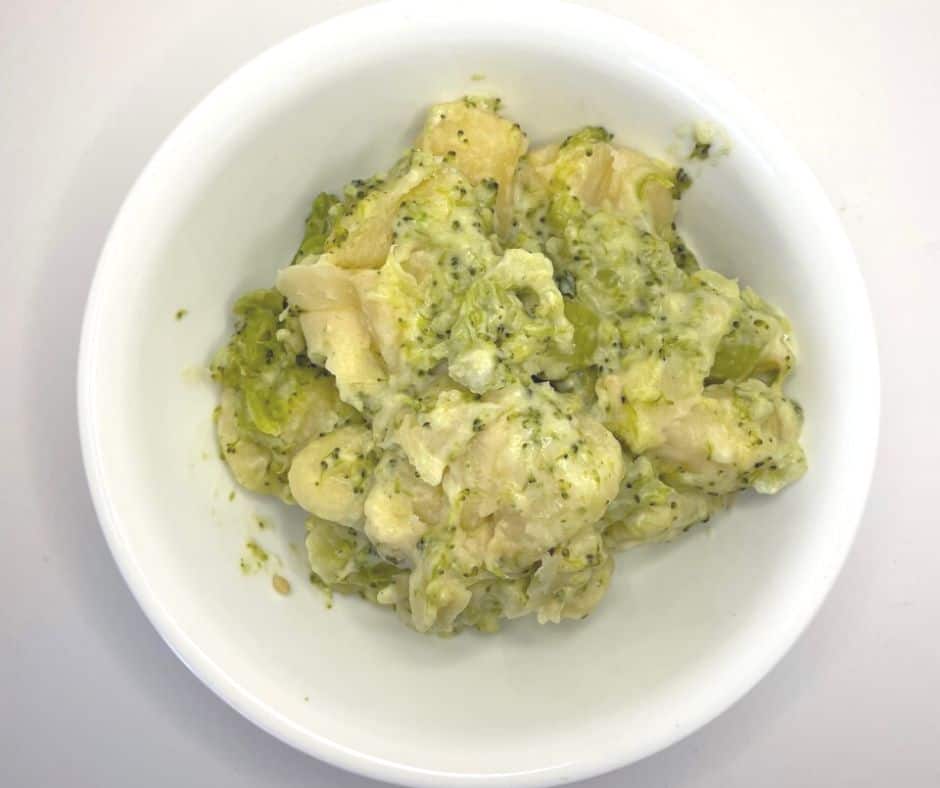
{"x": 254, "y": 557}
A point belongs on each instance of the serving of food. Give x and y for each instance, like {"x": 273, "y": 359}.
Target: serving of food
{"x": 489, "y": 368}
{"x": 473, "y": 383}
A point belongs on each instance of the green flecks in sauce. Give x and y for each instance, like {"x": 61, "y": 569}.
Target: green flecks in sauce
{"x": 700, "y": 150}
{"x": 682, "y": 183}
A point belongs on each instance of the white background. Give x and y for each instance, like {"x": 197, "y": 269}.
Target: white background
{"x": 90, "y": 696}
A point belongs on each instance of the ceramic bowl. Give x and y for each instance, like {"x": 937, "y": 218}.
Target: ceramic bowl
{"x": 686, "y": 629}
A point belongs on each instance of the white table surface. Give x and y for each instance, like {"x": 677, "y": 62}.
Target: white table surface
{"x": 89, "y": 694}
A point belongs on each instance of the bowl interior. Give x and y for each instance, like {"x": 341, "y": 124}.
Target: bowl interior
{"x": 686, "y": 627}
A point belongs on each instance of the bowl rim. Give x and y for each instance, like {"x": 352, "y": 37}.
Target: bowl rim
{"x": 357, "y": 24}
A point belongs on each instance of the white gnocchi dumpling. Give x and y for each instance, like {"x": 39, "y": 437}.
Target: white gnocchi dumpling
{"x": 330, "y": 476}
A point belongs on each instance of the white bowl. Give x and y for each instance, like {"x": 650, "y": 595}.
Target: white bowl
{"x": 686, "y": 629}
